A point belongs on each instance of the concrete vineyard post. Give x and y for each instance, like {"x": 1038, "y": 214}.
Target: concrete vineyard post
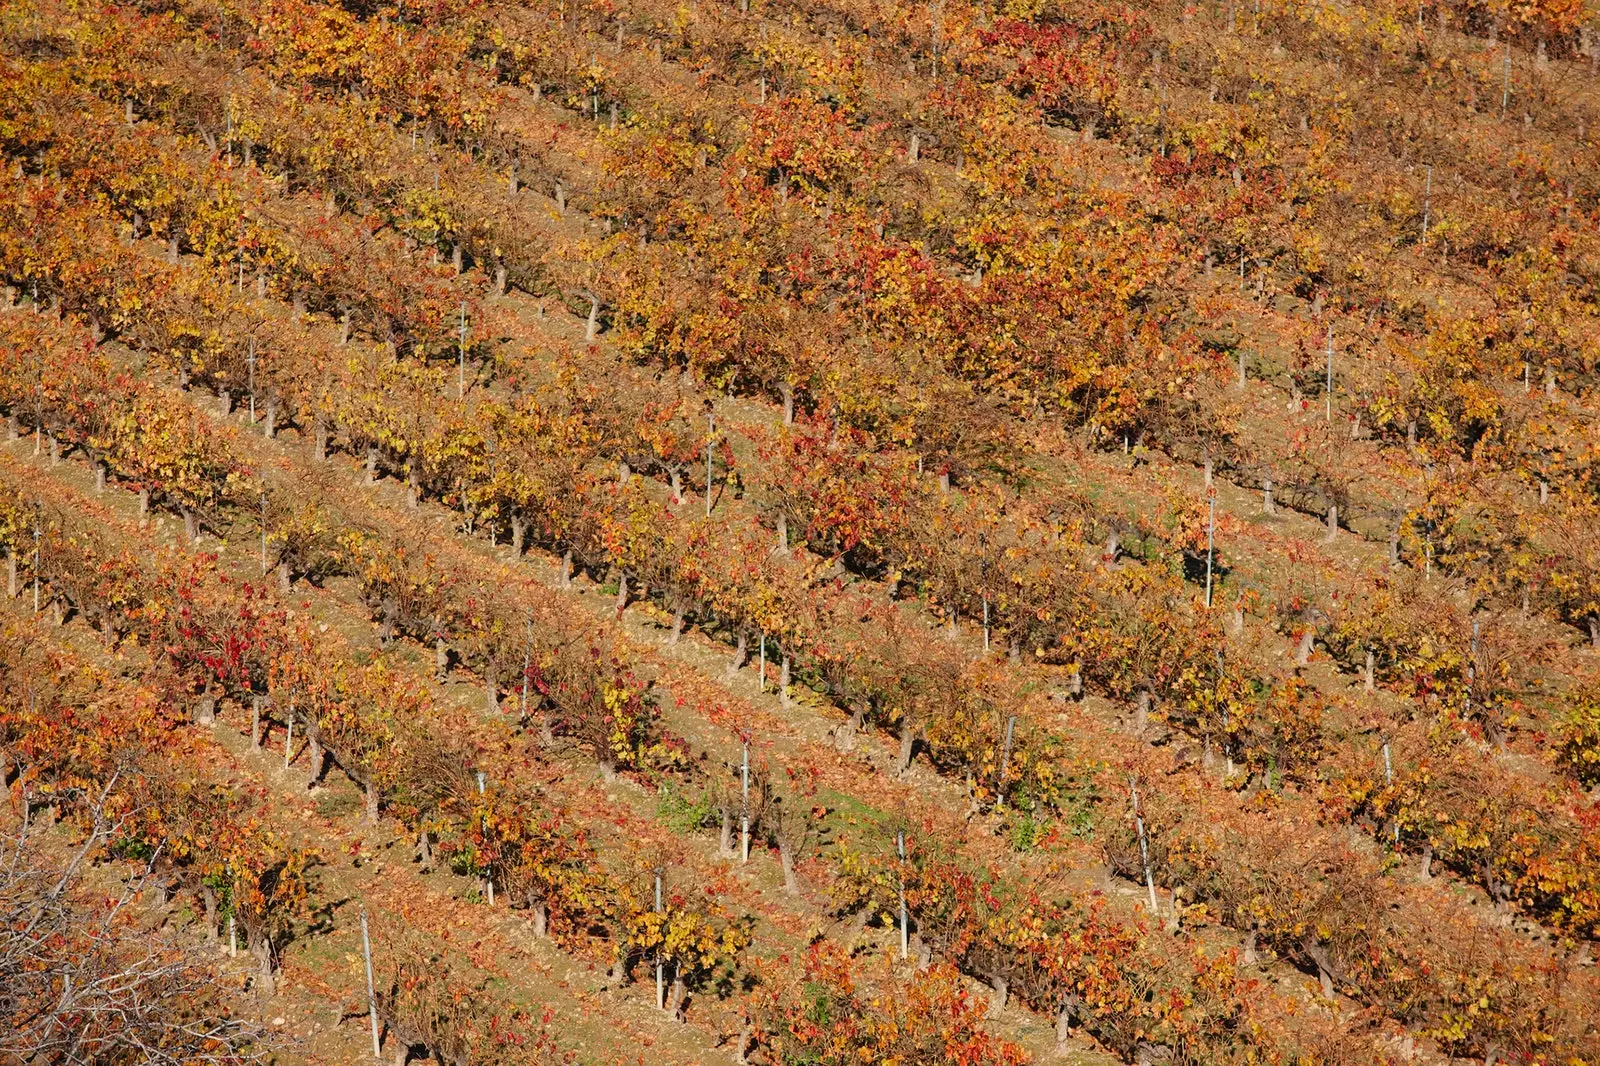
{"x": 288, "y": 738}
{"x": 372, "y": 991}
{"x": 1144, "y": 847}
{"x": 711, "y": 430}
{"x": 250, "y": 361}
{"x": 744, "y": 818}
{"x": 762, "y": 683}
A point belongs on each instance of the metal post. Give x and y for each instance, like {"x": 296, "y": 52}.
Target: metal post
{"x": 905, "y": 935}
{"x": 763, "y": 671}
{"x": 251, "y": 363}
{"x": 1211, "y": 534}
{"x": 1144, "y": 848}
{"x": 372, "y": 991}
{"x": 263, "y": 533}
{"x": 288, "y": 738}
{"x": 36, "y": 534}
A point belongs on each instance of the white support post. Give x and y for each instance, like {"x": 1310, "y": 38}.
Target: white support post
{"x": 527, "y": 667}
{"x": 1388, "y": 780}
{"x": 1005, "y": 762}
{"x": 744, "y": 818}
{"x": 1427, "y": 203}
{"x": 661, "y": 967}
{"x": 372, "y": 991}
{"x": 461, "y": 359}
{"x": 1329, "y": 388}
{"x": 905, "y": 935}
{"x": 1505, "y": 91}
{"x": 1227, "y": 746}
{"x": 488, "y": 882}
{"x": 1211, "y": 534}
{"x": 1144, "y": 848}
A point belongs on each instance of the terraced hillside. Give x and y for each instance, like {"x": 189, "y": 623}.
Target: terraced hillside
{"x": 626, "y": 532}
